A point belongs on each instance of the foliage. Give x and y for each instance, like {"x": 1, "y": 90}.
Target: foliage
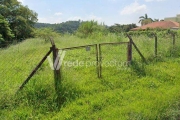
{"x": 117, "y": 28}
{"x": 178, "y": 32}
{"x": 1, "y": 38}
{"x": 91, "y": 28}
{"x": 46, "y": 33}
{"x": 64, "y": 27}
{"x": 150, "y": 32}
{"x": 141, "y": 91}
{"x": 145, "y": 20}
{"x": 20, "y": 19}
{"x": 5, "y": 31}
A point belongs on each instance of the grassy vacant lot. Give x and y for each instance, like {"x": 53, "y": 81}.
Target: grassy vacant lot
{"x": 140, "y": 91}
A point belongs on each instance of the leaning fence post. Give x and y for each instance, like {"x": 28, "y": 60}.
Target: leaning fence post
{"x": 57, "y": 75}
{"x": 35, "y": 70}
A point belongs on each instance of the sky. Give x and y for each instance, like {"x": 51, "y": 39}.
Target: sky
{"x": 109, "y": 12}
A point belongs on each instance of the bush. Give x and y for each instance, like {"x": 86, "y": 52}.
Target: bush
{"x": 91, "y": 28}
{"x": 46, "y": 33}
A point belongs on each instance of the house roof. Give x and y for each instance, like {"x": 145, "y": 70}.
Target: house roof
{"x": 159, "y": 24}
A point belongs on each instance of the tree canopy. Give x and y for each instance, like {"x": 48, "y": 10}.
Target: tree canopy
{"x": 16, "y": 20}
{"x": 64, "y": 27}
{"x": 117, "y": 28}
{"x": 5, "y": 31}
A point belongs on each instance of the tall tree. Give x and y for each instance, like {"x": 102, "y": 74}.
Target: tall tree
{"x": 20, "y": 18}
{"x": 5, "y": 31}
{"x": 145, "y": 20}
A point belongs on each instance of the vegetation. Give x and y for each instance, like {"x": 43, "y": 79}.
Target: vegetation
{"x": 145, "y": 20}
{"x": 150, "y": 32}
{"x": 16, "y": 20}
{"x": 117, "y": 28}
{"x": 73, "y": 27}
{"x": 5, "y": 31}
{"x": 46, "y": 33}
{"x": 91, "y": 28}
{"x": 137, "y": 92}
{"x": 64, "y": 27}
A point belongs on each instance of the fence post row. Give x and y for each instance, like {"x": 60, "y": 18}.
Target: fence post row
{"x": 56, "y": 65}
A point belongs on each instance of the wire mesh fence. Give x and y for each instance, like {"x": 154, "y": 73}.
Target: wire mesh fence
{"x": 166, "y": 46}
{"x": 16, "y": 63}
{"x": 145, "y": 45}
{"x": 76, "y": 63}
{"x": 79, "y": 61}
{"x": 113, "y": 57}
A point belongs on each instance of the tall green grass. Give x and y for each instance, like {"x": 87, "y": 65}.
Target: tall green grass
{"x": 140, "y": 91}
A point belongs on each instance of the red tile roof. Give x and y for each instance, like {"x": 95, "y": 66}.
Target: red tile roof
{"x": 160, "y": 24}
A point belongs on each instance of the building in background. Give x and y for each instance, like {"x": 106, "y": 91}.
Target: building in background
{"x": 175, "y": 19}
{"x": 159, "y": 24}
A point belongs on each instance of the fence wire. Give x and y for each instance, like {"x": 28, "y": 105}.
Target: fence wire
{"x": 146, "y": 45}
{"x": 113, "y": 58}
{"x": 78, "y": 62}
{"x": 17, "y": 62}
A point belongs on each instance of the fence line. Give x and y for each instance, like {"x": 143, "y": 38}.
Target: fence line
{"x": 99, "y": 55}
{"x": 98, "y": 47}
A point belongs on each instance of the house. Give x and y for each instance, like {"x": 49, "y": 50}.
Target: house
{"x": 159, "y": 24}
{"x": 175, "y": 19}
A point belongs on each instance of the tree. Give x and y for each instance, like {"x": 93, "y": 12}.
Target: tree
{"x": 20, "y": 18}
{"x": 45, "y": 33}
{"x": 64, "y": 27}
{"x": 117, "y": 28}
{"x": 89, "y": 28}
{"x": 145, "y": 20}
{"x": 5, "y": 31}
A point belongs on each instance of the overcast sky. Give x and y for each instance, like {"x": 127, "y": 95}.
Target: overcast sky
{"x": 107, "y": 11}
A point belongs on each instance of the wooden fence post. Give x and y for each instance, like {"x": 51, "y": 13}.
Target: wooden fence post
{"x": 97, "y": 60}
{"x": 155, "y": 44}
{"x": 174, "y": 39}
{"x": 139, "y": 52}
{"x": 129, "y": 51}
{"x": 57, "y": 75}
{"x": 100, "y": 62}
{"x": 35, "y": 70}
